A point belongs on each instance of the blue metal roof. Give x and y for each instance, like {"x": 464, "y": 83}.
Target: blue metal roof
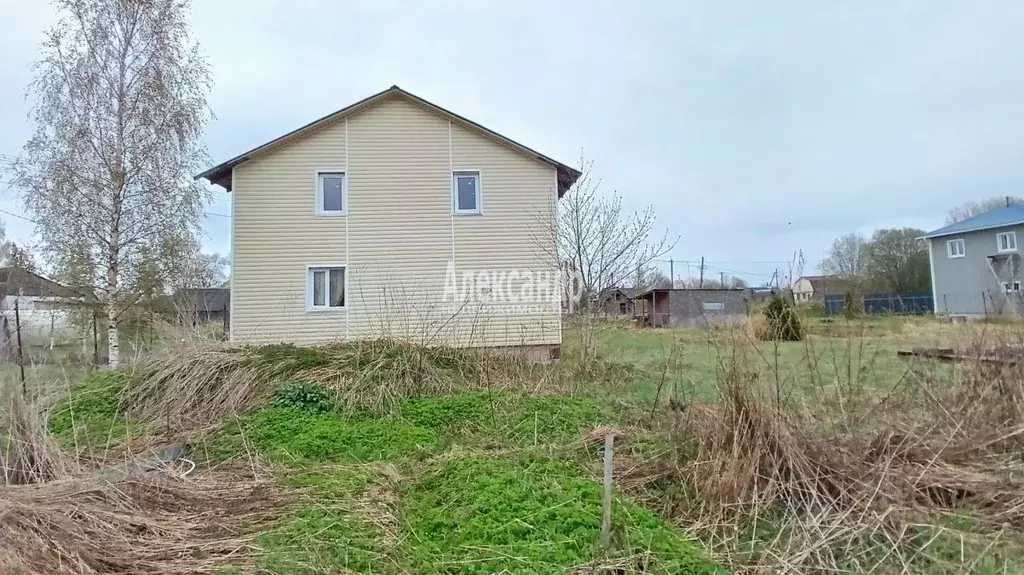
{"x": 1000, "y": 217}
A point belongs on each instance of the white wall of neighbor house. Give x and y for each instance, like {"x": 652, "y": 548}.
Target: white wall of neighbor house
{"x": 803, "y": 290}
{"x": 397, "y": 237}
{"x": 40, "y": 317}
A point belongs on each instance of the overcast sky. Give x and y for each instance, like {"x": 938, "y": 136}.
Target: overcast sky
{"x": 754, "y": 128}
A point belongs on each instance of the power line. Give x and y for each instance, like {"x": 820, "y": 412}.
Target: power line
{"x": 18, "y": 216}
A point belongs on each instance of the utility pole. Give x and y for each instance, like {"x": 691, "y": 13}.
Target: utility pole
{"x": 722, "y": 276}
{"x": 672, "y": 272}
{"x": 701, "y": 284}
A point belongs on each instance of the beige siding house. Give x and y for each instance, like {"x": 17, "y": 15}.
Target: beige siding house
{"x": 814, "y": 288}
{"x": 394, "y": 218}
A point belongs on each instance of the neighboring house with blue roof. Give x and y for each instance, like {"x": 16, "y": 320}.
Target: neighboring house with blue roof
{"x": 975, "y": 264}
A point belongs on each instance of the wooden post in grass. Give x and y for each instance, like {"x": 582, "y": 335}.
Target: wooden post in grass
{"x": 21, "y": 355}
{"x": 606, "y": 521}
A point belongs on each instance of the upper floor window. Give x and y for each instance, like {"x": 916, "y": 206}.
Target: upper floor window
{"x": 330, "y": 193}
{"x": 1007, "y": 241}
{"x": 955, "y": 248}
{"x": 466, "y": 192}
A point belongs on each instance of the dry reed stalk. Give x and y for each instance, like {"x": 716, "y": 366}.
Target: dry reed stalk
{"x": 196, "y": 385}
{"x": 843, "y": 478}
{"x": 28, "y": 453}
{"x": 145, "y": 523}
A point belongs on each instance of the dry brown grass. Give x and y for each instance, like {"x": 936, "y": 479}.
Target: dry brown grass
{"x": 62, "y": 516}
{"x": 190, "y": 386}
{"x": 863, "y": 482}
{"x": 28, "y": 453}
{"x": 146, "y": 523}
{"x": 196, "y": 384}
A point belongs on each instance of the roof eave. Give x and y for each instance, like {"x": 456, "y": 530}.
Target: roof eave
{"x": 939, "y": 233}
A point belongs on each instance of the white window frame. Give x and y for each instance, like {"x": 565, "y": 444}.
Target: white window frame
{"x": 999, "y": 241}
{"x": 318, "y": 183}
{"x": 479, "y": 210}
{"x": 954, "y": 253}
{"x": 1010, "y": 287}
{"x": 327, "y": 294}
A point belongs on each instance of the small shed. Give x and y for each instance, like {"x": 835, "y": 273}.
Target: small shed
{"x": 618, "y": 301}
{"x": 693, "y": 307}
{"x": 204, "y": 305}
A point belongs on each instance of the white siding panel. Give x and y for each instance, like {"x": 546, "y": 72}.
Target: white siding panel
{"x": 277, "y": 234}
{"x": 518, "y": 198}
{"x": 400, "y": 227}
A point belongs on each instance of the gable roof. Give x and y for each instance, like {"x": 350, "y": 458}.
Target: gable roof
{"x": 221, "y": 173}
{"x": 1010, "y": 215}
{"x": 822, "y": 283}
{"x": 14, "y": 280}
{"x": 626, "y": 292}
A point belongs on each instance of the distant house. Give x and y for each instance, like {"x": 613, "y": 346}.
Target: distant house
{"x": 813, "y": 288}
{"x": 203, "y": 305}
{"x": 975, "y": 264}
{"x": 693, "y": 307}
{"x": 42, "y": 304}
{"x": 618, "y": 301}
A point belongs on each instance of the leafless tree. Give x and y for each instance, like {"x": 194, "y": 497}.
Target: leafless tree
{"x": 602, "y": 244}
{"x": 653, "y": 278}
{"x": 119, "y": 105}
{"x": 847, "y": 257}
{"x": 971, "y": 209}
{"x": 731, "y": 282}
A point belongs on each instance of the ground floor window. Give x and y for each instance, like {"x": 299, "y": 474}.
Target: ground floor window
{"x": 326, "y": 287}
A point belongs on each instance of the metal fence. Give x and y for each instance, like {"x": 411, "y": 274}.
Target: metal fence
{"x": 882, "y": 304}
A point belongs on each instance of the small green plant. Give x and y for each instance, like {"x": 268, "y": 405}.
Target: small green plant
{"x": 850, "y": 310}
{"x": 304, "y": 396}
{"x": 783, "y": 323}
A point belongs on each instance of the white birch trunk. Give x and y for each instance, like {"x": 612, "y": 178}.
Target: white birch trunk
{"x": 113, "y": 350}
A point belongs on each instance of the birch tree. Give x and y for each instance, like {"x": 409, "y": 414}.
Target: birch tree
{"x": 119, "y": 104}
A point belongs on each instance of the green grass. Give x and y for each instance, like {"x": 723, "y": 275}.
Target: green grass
{"x": 327, "y": 534}
{"x": 694, "y": 358}
{"x": 506, "y": 417}
{"x": 298, "y": 437}
{"x": 524, "y": 515}
{"x": 494, "y": 481}
{"x": 92, "y": 415}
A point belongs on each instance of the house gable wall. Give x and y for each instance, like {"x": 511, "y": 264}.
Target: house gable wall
{"x": 398, "y": 237}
